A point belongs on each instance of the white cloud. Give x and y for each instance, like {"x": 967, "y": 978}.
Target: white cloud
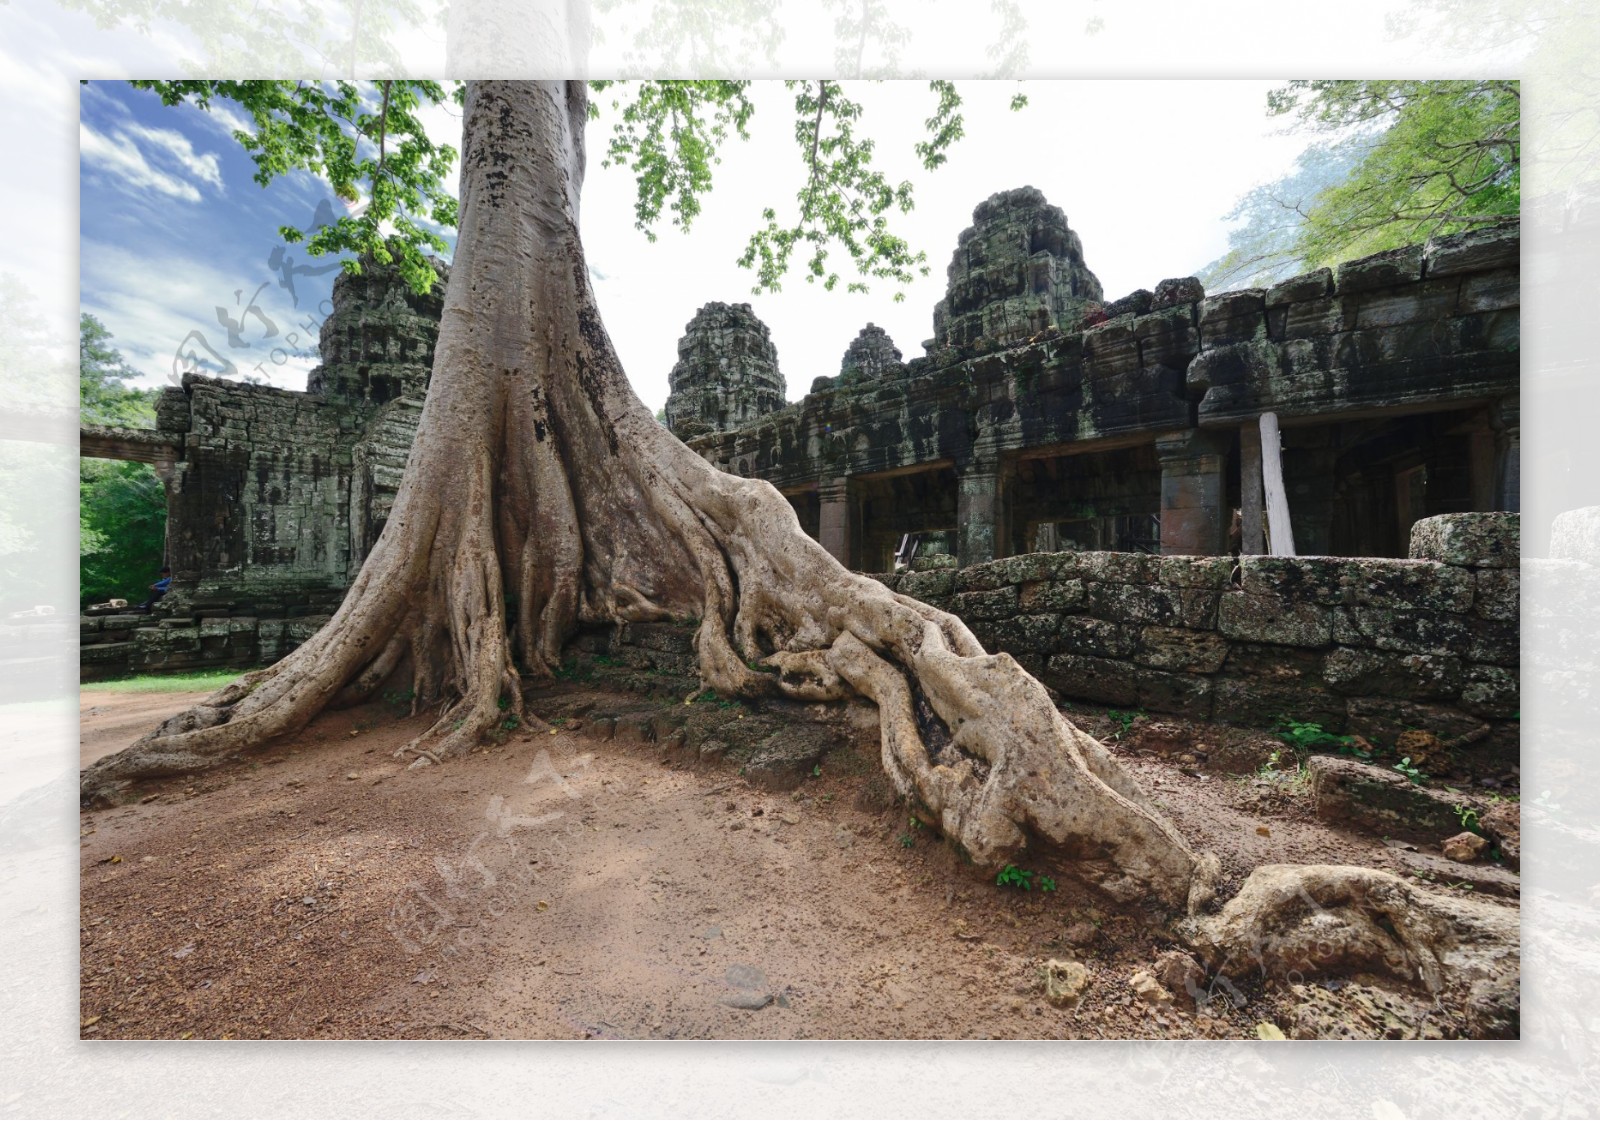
{"x": 207, "y": 168}
{"x": 165, "y": 163}
{"x": 121, "y": 158}
{"x": 152, "y": 322}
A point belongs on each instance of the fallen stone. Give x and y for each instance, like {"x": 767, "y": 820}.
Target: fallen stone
{"x": 1381, "y": 801}
{"x": 1149, "y": 990}
{"x": 1481, "y": 878}
{"x": 1064, "y": 982}
{"x": 1502, "y": 821}
{"x": 752, "y": 992}
{"x": 1183, "y": 976}
{"x": 1464, "y": 848}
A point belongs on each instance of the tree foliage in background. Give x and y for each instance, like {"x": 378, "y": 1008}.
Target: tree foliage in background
{"x": 103, "y": 395}
{"x": 122, "y": 507}
{"x": 1264, "y": 244}
{"x": 357, "y": 135}
{"x": 1406, "y": 161}
{"x": 122, "y": 526}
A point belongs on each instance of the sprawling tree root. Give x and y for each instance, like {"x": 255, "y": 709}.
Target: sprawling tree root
{"x": 538, "y": 479}
{"x": 1295, "y": 922}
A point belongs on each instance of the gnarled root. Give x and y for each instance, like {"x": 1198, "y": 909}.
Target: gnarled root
{"x": 1293, "y": 922}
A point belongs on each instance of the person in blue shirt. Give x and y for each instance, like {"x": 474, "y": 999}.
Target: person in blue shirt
{"x": 157, "y": 590}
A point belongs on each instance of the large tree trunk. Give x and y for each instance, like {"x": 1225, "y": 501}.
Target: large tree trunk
{"x": 541, "y": 494}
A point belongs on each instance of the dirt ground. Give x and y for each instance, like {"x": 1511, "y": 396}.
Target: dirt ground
{"x": 560, "y": 887}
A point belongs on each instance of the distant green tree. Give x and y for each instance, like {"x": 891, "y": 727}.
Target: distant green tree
{"x": 122, "y": 526}
{"x": 122, "y": 507}
{"x": 1440, "y": 156}
{"x": 103, "y": 395}
{"x": 1264, "y": 246}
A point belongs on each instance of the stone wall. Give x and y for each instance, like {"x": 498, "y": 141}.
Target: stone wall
{"x": 1363, "y": 645}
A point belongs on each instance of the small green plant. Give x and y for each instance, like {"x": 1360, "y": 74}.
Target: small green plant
{"x": 1468, "y": 818}
{"x": 907, "y": 841}
{"x": 1012, "y": 876}
{"x": 1411, "y": 772}
{"x": 816, "y": 770}
{"x": 511, "y": 723}
{"x": 1123, "y": 720}
{"x": 1306, "y": 736}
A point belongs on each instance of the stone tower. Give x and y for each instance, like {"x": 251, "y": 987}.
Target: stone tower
{"x": 727, "y": 372}
{"x": 1017, "y": 270}
{"x": 377, "y": 344}
{"x": 871, "y": 355}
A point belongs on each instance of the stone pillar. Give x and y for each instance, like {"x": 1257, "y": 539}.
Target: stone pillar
{"x": 1252, "y": 498}
{"x": 836, "y": 519}
{"x": 1505, "y": 418}
{"x": 1194, "y": 521}
{"x": 980, "y": 514}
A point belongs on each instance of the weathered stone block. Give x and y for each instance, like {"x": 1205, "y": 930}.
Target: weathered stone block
{"x": 1276, "y": 619}
{"x": 1232, "y": 317}
{"x": 1173, "y": 648}
{"x": 1137, "y": 302}
{"x": 1152, "y": 604}
{"x": 1408, "y": 632}
{"x": 925, "y": 585}
{"x": 982, "y": 577}
{"x": 1495, "y": 641}
{"x": 999, "y": 603}
{"x": 1101, "y": 680}
{"x": 1119, "y": 568}
{"x": 1300, "y": 579}
{"x": 1080, "y": 634}
{"x": 1196, "y": 572}
{"x": 1408, "y": 676}
{"x": 1307, "y": 286}
{"x": 1038, "y": 566}
{"x": 1477, "y": 540}
{"x": 1498, "y": 593}
{"x": 1380, "y": 270}
{"x": 1382, "y": 720}
{"x": 1381, "y": 801}
{"x": 1410, "y": 585}
{"x": 1317, "y": 318}
{"x": 1473, "y": 251}
{"x": 1428, "y": 301}
{"x": 1052, "y": 595}
{"x": 1025, "y": 634}
{"x": 1491, "y": 692}
{"x": 1494, "y": 291}
{"x": 108, "y": 653}
{"x": 1177, "y": 290}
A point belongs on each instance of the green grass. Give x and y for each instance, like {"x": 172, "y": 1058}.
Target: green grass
{"x": 208, "y": 681}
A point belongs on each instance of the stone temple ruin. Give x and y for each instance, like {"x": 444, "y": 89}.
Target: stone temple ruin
{"x": 1103, "y": 440}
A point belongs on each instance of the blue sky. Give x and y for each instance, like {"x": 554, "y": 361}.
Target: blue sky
{"x": 174, "y": 228}
{"x": 178, "y": 243}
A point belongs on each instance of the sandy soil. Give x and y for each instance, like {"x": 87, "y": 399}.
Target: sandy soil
{"x": 109, "y": 721}
{"x": 560, "y": 887}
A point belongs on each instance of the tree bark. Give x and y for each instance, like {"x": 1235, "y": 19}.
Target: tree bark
{"x": 541, "y": 494}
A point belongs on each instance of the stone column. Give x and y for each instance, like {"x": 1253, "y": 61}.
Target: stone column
{"x": 1252, "y": 498}
{"x": 166, "y": 469}
{"x": 980, "y": 514}
{"x": 836, "y": 519}
{"x": 1194, "y": 520}
{"x": 1505, "y": 418}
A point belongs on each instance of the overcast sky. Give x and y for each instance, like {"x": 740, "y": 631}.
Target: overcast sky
{"x": 178, "y": 241}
